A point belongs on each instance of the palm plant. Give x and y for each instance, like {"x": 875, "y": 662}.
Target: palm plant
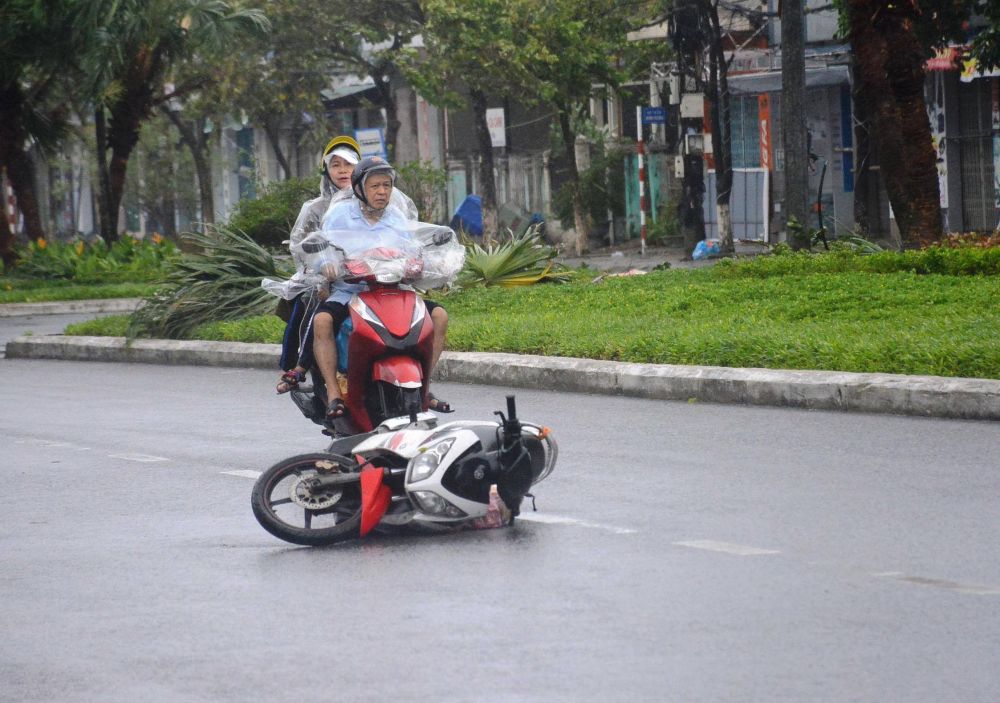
{"x": 219, "y": 282}
{"x": 516, "y": 260}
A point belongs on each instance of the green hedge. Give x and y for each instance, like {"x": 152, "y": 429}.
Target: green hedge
{"x": 269, "y": 219}
{"x": 943, "y": 260}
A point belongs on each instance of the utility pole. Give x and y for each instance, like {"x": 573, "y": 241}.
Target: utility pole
{"x": 689, "y": 40}
{"x": 793, "y": 121}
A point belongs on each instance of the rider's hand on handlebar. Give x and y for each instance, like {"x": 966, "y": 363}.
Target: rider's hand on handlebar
{"x": 330, "y": 271}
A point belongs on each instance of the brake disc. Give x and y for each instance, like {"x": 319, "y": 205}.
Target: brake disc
{"x": 306, "y": 493}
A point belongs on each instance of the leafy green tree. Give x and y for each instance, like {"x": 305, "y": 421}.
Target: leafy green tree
{"x": 276, "y": 79}
{"x": 986, "y": 43}
{"x": 140, "y": 44}
{"x": 472, "y": 51}
{"x": 353, "y": 37}
{"x": 39, "y": 44}
{"x": 160, "y": 184}
{"x": 576, "y": 44}
{"x": 196, "y": 133}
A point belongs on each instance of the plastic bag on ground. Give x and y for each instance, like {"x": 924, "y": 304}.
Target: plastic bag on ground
{"x": 706, "y": 248}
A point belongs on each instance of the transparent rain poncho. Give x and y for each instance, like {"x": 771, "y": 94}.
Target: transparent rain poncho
{"x": 309, "y": 221}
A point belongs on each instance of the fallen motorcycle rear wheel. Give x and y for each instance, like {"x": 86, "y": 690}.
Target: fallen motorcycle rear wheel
{"x": 289, "y": 501}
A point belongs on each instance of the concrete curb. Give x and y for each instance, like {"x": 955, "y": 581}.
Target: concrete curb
{"x": 929, "y": 396}
{"x": 70, "y": 306}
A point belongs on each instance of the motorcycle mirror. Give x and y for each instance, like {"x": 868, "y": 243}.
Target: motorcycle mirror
{"x": 442, "y": 236}
{"x": 313, "y": 245}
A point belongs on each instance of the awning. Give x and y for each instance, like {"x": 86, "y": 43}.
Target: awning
{"x": 770, "y": 81}
{"x": 347, "y": 96}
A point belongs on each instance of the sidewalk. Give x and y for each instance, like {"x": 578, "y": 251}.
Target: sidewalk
{"x": 928, "y": 396}
{"x": 111, "y": 305}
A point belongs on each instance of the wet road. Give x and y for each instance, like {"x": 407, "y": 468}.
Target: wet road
{"x": 679, "y": 552}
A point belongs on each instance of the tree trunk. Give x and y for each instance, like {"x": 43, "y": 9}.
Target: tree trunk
{"x": 17, "y": 162}
{"x": 863, "y": 160}
{"x": 7, "y": 251}
{"x": 891, "y": 68}
{"x": 196, "y": 145}
{"x": 793, "y": 120}
{"x": 722, "y": 140}
{"x": 581, "y": 221}
{"x": 274, "y": 136}
{"x": 106, "y": 222}
{"x": 127, "y": 113}
{"x": 488, "y": 186}
{"x": 123, "y": 135}
{"x": 21, "y": 174}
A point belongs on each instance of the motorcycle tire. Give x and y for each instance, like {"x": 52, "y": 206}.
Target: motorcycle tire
{"x": 287, "y": 506}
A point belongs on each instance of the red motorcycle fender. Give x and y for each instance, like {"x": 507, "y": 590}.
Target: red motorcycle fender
{"x": 403, "y": 371}
{"x": 375, "y": 498}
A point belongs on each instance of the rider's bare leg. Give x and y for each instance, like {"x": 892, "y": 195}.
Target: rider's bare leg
{"x": 325, "y": 353}
{"x": 439, "y": 318}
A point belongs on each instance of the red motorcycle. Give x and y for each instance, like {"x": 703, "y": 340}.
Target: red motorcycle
{"x": 389, "y": 333}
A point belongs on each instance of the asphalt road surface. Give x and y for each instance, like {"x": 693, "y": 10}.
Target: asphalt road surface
{"x": 680, "y": 552}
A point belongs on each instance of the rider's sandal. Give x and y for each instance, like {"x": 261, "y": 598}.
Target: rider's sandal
{"x": 336, "y": 409}
{"x": 289, "y": 381}
{"x": 437, "y": 405}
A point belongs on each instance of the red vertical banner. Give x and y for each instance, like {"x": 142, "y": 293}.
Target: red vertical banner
{"x": 764, "y": 120}
{"x": 641, "y": 163}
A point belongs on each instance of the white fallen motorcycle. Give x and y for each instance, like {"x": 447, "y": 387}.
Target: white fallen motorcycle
{"x": 410, "y": 472}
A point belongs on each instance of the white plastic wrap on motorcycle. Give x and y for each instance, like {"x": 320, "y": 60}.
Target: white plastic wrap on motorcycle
{"x": 419, "y": 254}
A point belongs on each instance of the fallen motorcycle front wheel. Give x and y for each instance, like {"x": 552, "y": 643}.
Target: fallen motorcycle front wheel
{"x": 310, "y": 499}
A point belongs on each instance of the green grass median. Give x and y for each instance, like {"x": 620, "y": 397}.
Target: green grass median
{"x": 900, "y": 322}
{"x": 31, "y": 290}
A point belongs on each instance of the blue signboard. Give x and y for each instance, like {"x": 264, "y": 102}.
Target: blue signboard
{"x": 371, "y": 141}
{"x": 654, "y": 115}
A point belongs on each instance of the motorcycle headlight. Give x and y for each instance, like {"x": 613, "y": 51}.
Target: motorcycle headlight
{"x": 433, "y": 504}
{"x": 425, "y": 463}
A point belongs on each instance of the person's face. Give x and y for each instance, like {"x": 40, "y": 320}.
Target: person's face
{"x": 339, "y": 170}
{"x": 378, "y": 188}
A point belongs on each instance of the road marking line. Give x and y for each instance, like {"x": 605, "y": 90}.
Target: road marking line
{"x": 51, "y": 443}
{"x": 243, "y": 473}
{"x": 971, "y": 588}
{"x": 144, "y": 458}
{"x": 726, "y": 547}
{"x": 560, "y": 520}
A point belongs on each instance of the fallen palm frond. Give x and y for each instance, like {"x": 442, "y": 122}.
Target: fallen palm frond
{"x": 221, "y": 281}
{"x": 518, "y": 260}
